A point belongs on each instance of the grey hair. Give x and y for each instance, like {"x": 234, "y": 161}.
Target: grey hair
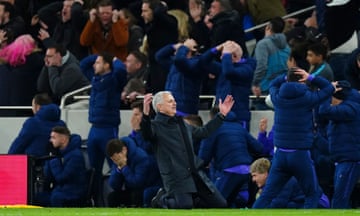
{"x": 159, "y": 99}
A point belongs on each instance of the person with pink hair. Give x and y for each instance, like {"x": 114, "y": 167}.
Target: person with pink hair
{"x": 15, "y": 53}
{"x": 21, "y": 63}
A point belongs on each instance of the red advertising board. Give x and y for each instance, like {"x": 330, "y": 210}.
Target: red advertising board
{"x": 14, "y": 179}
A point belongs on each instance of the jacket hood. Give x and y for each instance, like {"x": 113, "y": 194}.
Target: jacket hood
{"x": 130, "y": 144}
{"x": 50, "y": 112}
{"x": 279, "y": 39}
{"x": 74, "y": 143}
{"x": 291, "y": 90}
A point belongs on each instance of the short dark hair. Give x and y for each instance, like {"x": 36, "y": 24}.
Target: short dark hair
{"x": 42, "y": 99}
{"x": 58, "y": 48}
{"x": 61, "y": 130}
{"x": 277, "y": 24}
{"x": 298, "y": 53}
{"x": 225, "y": 5}
{"x": 105, "y": 3}
{"x": 107, "y": 58}
{"x": 114, "y": 146}
{"x": 152, "y": 3}
{"x": 130, "y": 16}
{"x": 141, "y": 57}
{"x": 318, "y": 49}
{"x": 8, "y": 8}
{"x": 292, "y": 76}
{"x": 137, "y": 104}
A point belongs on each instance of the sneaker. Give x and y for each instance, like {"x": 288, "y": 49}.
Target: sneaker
{"x": 158, "y": 200}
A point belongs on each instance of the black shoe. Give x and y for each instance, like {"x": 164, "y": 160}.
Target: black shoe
{"x": 157, "y": 200}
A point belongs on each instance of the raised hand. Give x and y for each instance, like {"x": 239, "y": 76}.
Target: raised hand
{"x": 147, "y": 102}
{"x": 43, "y": 34}
{"x": 256, "y": 91}
{"x": 115, "y": 16}
{"x": 176, "y": 46}
{"x": 263, "y": 125}
{"x": 3, "y": 36}
{"x": 191, "y": 44}
{"x": 34, "y": 20}
{"x": 336, "y": 87}
{"x": 228, "y": 47}
{"x": 303, "y": 74}
{"x": 92, "y": 15}
{"x": 226, "y": 105}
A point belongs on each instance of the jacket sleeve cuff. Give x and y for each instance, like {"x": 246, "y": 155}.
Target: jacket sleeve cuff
{"x": 221, "y": 116}
{"x": 310, "y": 77}
{"x": 214, "y": 50}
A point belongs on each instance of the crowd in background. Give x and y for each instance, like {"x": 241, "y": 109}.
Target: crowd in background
{"x": 184, "y": 49}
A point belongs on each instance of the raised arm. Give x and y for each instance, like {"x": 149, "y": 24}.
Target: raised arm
{"x": 147, "y": 103}
{"x": 226, "y": 106}
{"x": 145, "y": 125}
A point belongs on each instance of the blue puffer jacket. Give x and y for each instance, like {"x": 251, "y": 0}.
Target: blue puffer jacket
{"x": 34, "y": 135}
{"x": 87, "y": 66}
{"x": 294, "y": 103}
{"x": 138, "y": 172}
{"x": 230, "y": 145}
{"x": 68, "y": 171}
{"x": 234, "y": 79}
{"x": 184, "y": 78}
{"x": 104, "y": 110}
{"x": 140, "y": 142}
{"x": 344, "y": 127}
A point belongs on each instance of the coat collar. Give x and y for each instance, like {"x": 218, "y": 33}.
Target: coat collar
{"x": 166, "y": 118}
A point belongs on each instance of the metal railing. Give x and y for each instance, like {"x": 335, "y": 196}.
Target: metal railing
{"x": 15, "y": 107}
{"x": 284, "y": 17}
{"x": 71, "y": 95}
{"x": 140, "y": 97}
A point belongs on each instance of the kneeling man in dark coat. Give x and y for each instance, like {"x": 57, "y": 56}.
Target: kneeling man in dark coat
{"x": 185, "y": 184}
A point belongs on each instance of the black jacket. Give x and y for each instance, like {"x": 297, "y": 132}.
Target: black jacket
{"x": 174, "y": 152}
{"x": 161, "y": 31}
{"x": 228, "y": 25}
{"x": 68, "y": 33}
